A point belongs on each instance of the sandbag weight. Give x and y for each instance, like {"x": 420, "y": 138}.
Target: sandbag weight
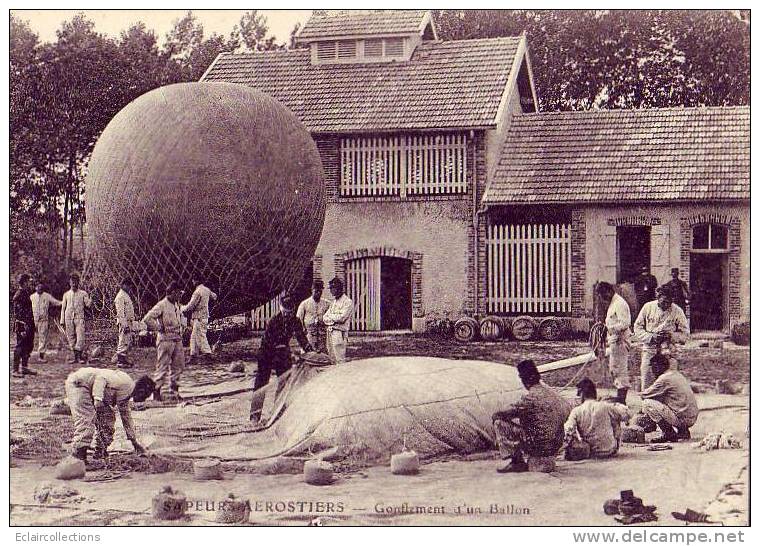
{"x": 491, "y": 328}
{"x": 523, "y": 328}
{"x": 168, "y": 504}
{"x": 317, "y": 472}
{"x": 233, "y": 510}
{"x": 405, "y": 463}
{"x": 550, "y": 329}
{"x": 466, "y": 329}
{"x": 210, "y": 469}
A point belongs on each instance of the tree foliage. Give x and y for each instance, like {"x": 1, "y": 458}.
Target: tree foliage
{"x": 62, "y": 96}
{"x": 622, "y": 59}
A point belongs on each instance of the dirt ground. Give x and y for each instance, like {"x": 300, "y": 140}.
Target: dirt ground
{"x": 448, "y": 491}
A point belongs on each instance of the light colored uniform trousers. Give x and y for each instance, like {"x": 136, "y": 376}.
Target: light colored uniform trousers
{"x": 125, "y": 340}
{"x": 42, "y": 335}
{"x": 618, "y": 362}
{"x": 75, "y": 333}
{"x": 336, "y": 345}
{"x": 198, "y": 339}
{"x": 171, "y": 362}
{"x": 83, "y": 412}
{"x": 657, "y": 411}
{"x": 509, "y": 438}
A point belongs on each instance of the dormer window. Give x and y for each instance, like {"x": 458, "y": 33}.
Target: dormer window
{"x": 347, "y": 49}
{"x": 373, "y": 48}
{"x": 376, "y": 48}
{"x": 394, "y": 47}
{"x": 326, "y": 51}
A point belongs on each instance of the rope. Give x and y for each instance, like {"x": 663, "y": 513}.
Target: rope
{"x": 597, "y": 340}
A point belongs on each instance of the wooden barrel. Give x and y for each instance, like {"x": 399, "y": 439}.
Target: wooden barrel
{"x": 466, "y": 329}
{"x": 210, "y": 469}
{"x": 524, "y": 327}
{"x": 491, "y": 328}
{"x": 550, "y": 328}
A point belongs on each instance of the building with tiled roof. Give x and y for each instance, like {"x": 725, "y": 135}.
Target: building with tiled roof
{"x": 448, "y": 194}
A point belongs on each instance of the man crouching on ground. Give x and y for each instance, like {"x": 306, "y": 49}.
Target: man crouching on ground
{"x": 541, "y": 413}
{"x": 669, "y": 403}
{"x": 92, "y": 394}
{"x": 593, "y": 428}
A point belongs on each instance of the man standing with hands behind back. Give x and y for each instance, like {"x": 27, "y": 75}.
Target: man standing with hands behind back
{"x": 337, "y": 319}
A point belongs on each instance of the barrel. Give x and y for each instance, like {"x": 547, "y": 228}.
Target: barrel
{"x": 407, "y": 462}
{"x": 550, "y": 328}
{"x": 318, "y": 472}
{"x": 524, "y": 327}
{"x": 466, "y": 329}
{"x": 491, "y": 328}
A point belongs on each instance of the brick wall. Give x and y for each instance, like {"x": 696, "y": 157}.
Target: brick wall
{"x": 578, "y": 262}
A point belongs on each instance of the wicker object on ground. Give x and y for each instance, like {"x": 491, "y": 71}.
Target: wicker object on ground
{"x": 211, "y": 180}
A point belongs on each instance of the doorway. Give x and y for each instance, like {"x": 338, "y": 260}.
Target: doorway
{"x": 395, "y": 294}
{"x": 634, "y": 250}
{"x": 708, "y": 292}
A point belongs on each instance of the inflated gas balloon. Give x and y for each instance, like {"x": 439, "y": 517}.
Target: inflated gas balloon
{"x": 204, "y": 181}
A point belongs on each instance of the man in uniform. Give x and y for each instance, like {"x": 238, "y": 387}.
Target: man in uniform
{"x": 23, "y": 326}
{"x": 659, "y": 326}
{"x": 337, "y": 319}
{"x": 72, "y": 317}
{"x": 92, "y": 394}
{"x": 595, "y": 423}
{"x": 668, "y": 403}
{"x": 678, "y": 289}
{"x": 534, "y": 425}
{"x": 274, "y": 351}
{"x": 41, "y": 302}
{"x": 199, "y": 307}
{"x": 618, "y": 324}
{"x": 167, "y": 319}
{"x": 645, "y": 285}
{"x": 311, "y": 312}
{"x": 125, "y": 319}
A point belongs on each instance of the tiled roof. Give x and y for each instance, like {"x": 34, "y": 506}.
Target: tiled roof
{"x": 673, "y": 154}
{"x": 455, "y": 84}
{"x": 402, "y": 21}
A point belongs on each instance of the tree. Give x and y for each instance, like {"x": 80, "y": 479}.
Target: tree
{"x": 622, "y": 59}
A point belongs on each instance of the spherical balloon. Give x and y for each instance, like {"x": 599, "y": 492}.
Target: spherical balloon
{"x": 204, "y": 181}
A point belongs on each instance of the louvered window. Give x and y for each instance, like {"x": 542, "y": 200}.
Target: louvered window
{"x": 394, "y": 47}
{"x": 373, "y": 48}
{"x": 347, "y": 49}
{"x": 326, "y": 51}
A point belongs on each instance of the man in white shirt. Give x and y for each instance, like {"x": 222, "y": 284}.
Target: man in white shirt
{"x": 618, "y": 323}
{"x": 41, "y": 302}
{"x": 72, "y": 317}
{"x": 198, "y": 306}
{"x": 337, "y": 319}
{"x": 311, "y": 312}
{"x": 125, "y": 322}
{"x": 167, "y": 319}
{"x": 659, "y": 326}
{"x": 92, "y": 394}
{"x": 594, "y": 423}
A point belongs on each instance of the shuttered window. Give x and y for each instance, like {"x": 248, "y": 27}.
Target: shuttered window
{"x": 347, "y": 49}
{"x": 404, "y": 165}
{"x": 326, "y": 51}
{"x": 394, "y": 47}
{"x": 373, "y": 48}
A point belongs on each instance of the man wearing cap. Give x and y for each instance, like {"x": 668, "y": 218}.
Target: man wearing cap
{"x": 337, "y": 319}
{"x": 669, "y": 403}
{"x": 311, "y": 312}
{"x": 678, "y": 289}
{"x": 645, "y": 285}
{"x": 595, "y": 423}
{"x": 125, "y": 319}
{"x": 274, "y": 351}
{"x": 92, "y": 394}
{"x": 41, "y": 302}
{"x": 659, "y": 326}
{"x": 23, "y": 326}
{"x": 618, "y": 324}
{"x": 167, "y": 319}
{"x": 72, "y": 316}
{"x": 534, "y": 425}
{"x": 199, "y": 307}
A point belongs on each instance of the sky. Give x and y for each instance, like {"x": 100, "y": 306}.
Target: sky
{"x": 112, "y": 22}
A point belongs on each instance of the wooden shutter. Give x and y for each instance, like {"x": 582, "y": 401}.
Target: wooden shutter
{"x": 607, "y": 246}
{"x": 363, "y": 287}
{"x": 660, "y": 244}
